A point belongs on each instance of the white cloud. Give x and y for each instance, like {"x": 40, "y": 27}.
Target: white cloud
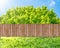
{"x": 52, "y": 3}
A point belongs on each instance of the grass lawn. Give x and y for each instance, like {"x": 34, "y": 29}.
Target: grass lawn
{"x": 29, "y": 42}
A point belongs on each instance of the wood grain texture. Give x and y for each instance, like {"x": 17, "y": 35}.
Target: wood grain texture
{"x": 29, "y": 30}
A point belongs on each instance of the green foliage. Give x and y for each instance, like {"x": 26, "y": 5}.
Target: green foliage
{"x": 29, "y": 42}
{"x": 30, "y": 15}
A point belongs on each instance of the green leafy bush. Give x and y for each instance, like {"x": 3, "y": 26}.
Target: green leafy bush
{"x": 30, "y": 15}
{"x": 29, "y": 42}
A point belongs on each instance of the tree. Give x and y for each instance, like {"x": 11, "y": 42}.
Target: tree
{"x": 30, "y": 15}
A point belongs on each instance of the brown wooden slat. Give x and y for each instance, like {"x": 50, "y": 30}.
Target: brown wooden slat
{"x": 45, "y": 30}
{"x": 13, "y": 32}
{"x": 52, "y": 30}
{"x": 19, "y": 30}
{"x": 31, "y": 30}
{"x": 55, "y": 29}
{"x": 26, "y": 30}
{"x": 23, "y": 30}
{"x": 38, "y": 30}
{"x": 3, "y": 30}
{"x": 0, "y": 30}
{"x": 58, "y": 29}
{"x": 7, "y": 30}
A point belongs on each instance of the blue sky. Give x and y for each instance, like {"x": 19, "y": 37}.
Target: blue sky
{"x": 7, "y": 4}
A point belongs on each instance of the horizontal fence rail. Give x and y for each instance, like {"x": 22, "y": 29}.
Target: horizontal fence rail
{"x": 29, "y": 30}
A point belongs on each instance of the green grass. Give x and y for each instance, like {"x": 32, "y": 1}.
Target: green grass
{"x": 29, "y": 42}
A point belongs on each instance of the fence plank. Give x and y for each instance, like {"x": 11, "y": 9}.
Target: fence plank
{"x": 19, "y": 33}
{"x": 45, "y": 29}
{"x": 58, "y": 29}
{"x": 31, "y": 30}
{"x": 7, "y": 30}
{"x": 55, "y": 29}
{"x": 0, "y": 30}
{"x": 38, "y": 30}
{"x": 20, "y": 29}
{"x": 3, "y": 30}
{"x": 52, "y": 30}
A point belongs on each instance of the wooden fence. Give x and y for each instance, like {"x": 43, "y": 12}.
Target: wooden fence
{"x": 29, "y": 30}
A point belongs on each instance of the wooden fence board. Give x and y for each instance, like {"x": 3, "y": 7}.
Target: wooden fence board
{"x": 1, "y": 30}
{"x": 55, "y": 29}
{"x": 38, "y": 30}
{"x": 31, "y": 30}
{"x": 45, "y": 30}
{"x": 58, "y": 29}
